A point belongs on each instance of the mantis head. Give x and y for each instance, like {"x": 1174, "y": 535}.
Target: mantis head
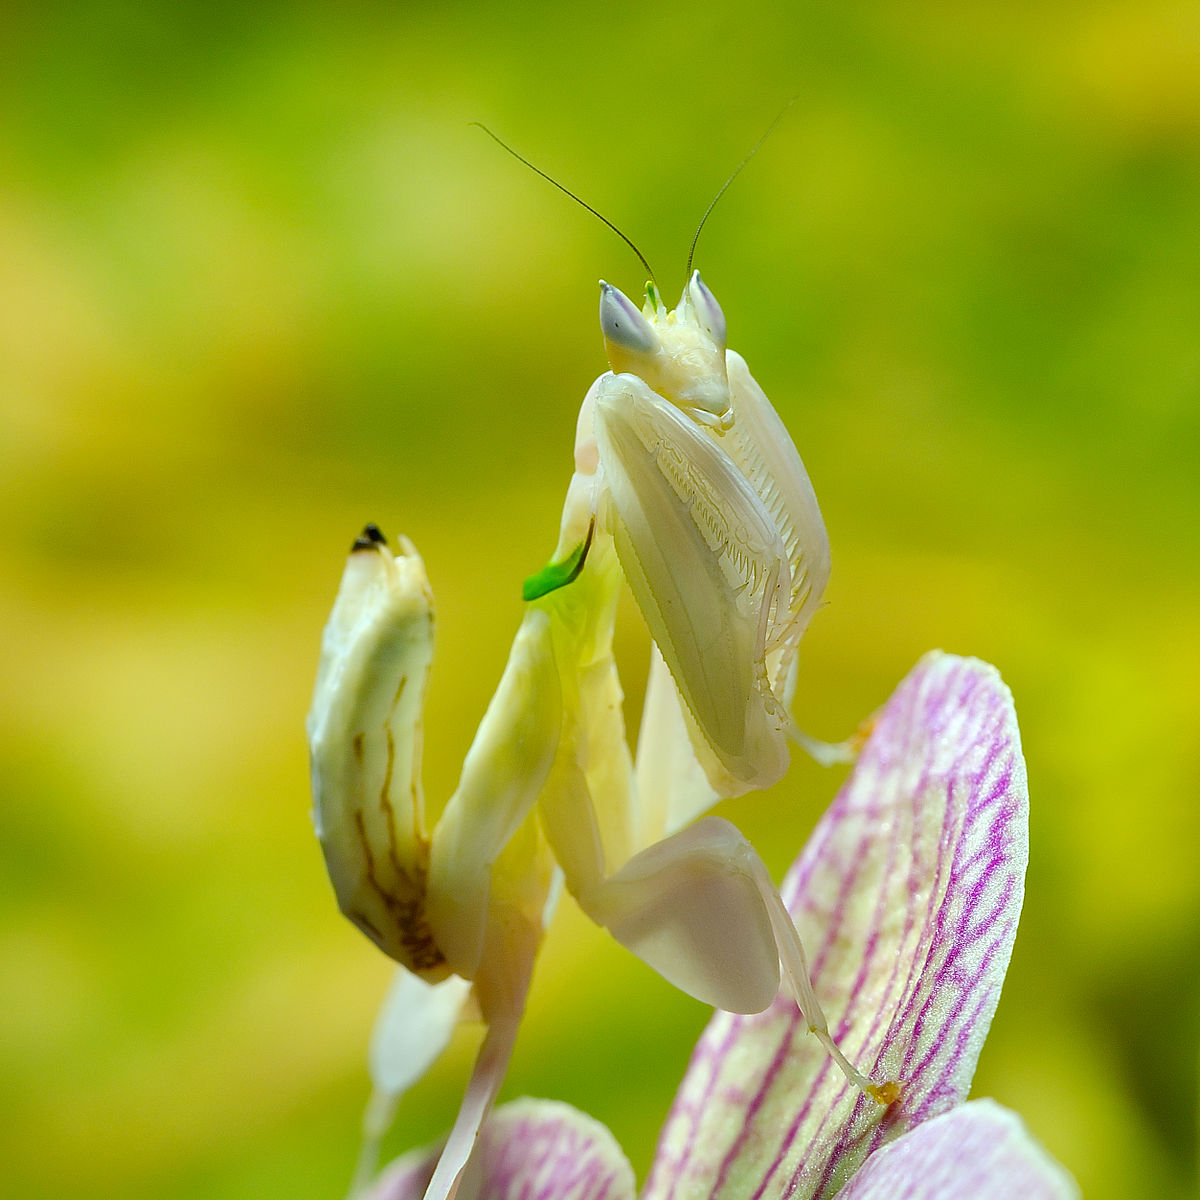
{"x": 678, "y": 354}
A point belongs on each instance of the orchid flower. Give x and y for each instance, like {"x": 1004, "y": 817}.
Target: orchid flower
{"x": 909, "y": 891}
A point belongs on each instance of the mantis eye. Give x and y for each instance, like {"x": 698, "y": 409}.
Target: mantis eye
{"x": 622, "y": 323}
{"x": 708, "y": 311}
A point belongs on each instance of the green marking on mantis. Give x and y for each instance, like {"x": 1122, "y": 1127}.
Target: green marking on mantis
{"x": 558, "y": 574}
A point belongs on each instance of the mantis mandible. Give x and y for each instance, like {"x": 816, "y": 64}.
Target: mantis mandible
{"x": 686, "y": 484}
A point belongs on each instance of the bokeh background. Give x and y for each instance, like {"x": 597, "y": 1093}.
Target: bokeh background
{"x": 261, "y": 282}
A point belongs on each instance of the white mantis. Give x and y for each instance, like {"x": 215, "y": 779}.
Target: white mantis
{"x": 686, "y": 483}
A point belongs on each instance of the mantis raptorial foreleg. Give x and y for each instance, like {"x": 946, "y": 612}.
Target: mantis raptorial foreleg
{"x": 761, "y": 448}
{"x": 363, "y": 735}
{"x": 700, "y": 908}
{"x": 468, "y": 899}
{"x": 690, "y": 906}
{"x": 502, "y": 776}
{"x": 709, "y": 567}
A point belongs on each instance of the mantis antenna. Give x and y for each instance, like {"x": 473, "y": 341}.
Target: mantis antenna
{"x": 725, "y": 186}
{"x": 562, "y": 188}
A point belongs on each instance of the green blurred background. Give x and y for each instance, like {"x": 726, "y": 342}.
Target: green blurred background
{"x": 260, "y": 282}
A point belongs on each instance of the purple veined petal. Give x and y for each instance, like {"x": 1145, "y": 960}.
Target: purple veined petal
{"x": 907, "y": 897}
{"x": 979, "y": 1150}
{"x": 528, "y": 1150}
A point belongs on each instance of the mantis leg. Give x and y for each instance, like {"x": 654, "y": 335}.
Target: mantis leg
{"x": 490, "y": 872}
{"x": 503, "y": 773}
{"x": 486, "y": 1077}
{"x": 700, "y": 908}
{"x": 762, "y": 449}
{"x": 412, "y": 1030}
{"x": 513, "y": 936}
{"x": 825, "y": 754}
{"x": 690, "y": 907}
{"x": 798, "y": 984}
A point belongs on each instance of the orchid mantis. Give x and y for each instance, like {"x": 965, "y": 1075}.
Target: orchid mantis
{"x": 687, "y": 485}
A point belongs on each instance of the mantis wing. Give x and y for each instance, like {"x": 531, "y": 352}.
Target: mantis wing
{"x": 708, "y": 569}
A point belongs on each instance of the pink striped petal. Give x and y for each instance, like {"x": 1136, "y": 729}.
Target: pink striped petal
{"x": 528, "y": 1150}
{"x": 978, "y": 1150}
{"x": 907, "y": 897}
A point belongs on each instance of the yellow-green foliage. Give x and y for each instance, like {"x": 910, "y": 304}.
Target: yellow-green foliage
{"x": 260, "y": 283}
